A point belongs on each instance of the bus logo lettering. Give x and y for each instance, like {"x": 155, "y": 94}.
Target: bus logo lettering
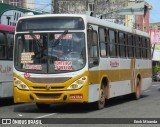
{"x": 26, "y": 75}
{"x": 114, "y": 64}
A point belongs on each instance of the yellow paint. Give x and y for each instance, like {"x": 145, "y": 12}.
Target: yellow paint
{"x": 24, "y": 96}
{"x": 94, "y": 77}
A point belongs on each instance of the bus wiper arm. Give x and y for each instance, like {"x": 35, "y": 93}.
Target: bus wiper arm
{"x": 38, "y": 52}
{"x": 60, "y": 37}
{"x": 34, "y": 37}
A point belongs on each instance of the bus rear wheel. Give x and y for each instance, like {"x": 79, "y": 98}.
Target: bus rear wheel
{"x": 137, "y": 93}
{"x": 41, "y": 106}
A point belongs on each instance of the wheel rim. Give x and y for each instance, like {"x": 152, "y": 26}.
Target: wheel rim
{"x": 102, "y": 98}
{"x": 138, "y": 91}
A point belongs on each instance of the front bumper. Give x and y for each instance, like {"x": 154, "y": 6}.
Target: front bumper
{"x": 78, "y": 96}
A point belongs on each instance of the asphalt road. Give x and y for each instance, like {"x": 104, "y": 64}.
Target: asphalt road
{"x": 148, "y": 106}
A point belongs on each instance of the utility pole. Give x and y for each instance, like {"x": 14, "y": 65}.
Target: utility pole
{"x": 95, "y": 8}
{"x": 55, "y": 7}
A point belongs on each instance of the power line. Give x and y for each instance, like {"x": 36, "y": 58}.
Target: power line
{"x": 44, "y": 5}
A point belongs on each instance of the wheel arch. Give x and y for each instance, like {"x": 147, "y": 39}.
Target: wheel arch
{"x": 105, "y": 81}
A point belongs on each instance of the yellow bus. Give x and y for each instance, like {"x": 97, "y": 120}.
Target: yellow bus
{"x": 70, "y": 58}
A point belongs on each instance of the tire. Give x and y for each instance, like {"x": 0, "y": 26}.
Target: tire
{"x": 43, "y": 106}
{"x": 137, "y": 94}
{"x": 101, "y": 102}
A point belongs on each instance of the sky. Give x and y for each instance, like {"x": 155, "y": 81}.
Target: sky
{"x": 155, "y": 11}
{"x": 45, "y": 5}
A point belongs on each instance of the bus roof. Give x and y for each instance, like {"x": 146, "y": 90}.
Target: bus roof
{"x": 7, "y": 28}
{"x": 93, "y": 20}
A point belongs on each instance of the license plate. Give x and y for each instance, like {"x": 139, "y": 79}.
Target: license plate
{"x": 76, "y": 96}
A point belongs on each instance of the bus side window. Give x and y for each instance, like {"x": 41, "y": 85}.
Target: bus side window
{"x": 144, "y": 48}
{"x": 138, "y": 46}
{"x": 2, "y": 46}
{"x": 112, "y": 43}
{"x": 92, "y": 44}
{"x": 122, "y": 47}
{"x": 148, "y": 48}
{"x": 10, "y": 45}
{"x": 130, "y": 47}
{"x": 19, "y": 48}
{"x": 92, "y": 47}
{"x": 103, "y": 36}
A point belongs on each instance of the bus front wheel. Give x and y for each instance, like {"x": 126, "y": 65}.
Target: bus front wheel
{"x": 101, "y": 102}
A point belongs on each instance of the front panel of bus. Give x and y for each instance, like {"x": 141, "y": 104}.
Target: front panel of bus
{"x": 50, "y": 60}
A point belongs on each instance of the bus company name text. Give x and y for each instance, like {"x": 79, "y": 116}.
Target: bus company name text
{"x": 6, "y": 69}
{"x": 114, "y": 64}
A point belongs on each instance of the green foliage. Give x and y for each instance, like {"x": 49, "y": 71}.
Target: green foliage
{"x": 157, "y": 47}
{"x": 156, "y": 69}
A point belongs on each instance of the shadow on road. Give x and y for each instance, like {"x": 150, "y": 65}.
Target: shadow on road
{"x": 73, "y": 107}
{"x": 6, "y": 102}
{"x": 121, "y": 100}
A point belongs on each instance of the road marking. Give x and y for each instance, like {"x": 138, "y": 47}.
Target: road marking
{"x": 155, "y": 85}
{"x": 147, "y": 90}
{"x": 46, "y": 115}
{"x": 20, "y": 115}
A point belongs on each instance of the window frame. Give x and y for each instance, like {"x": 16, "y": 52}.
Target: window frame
{"x": 9, "y": 39}
{"x": 138, "y": 46}
{"x": 120, "y": 44}
{"x": 132, "y": 46}
{"x": 4, "y": 45}
{"x": 105, "y": 42}
{"x": 148, "y": 48}
{"x": 115, "y": 44}
{"x": 144, "y": 48}
{"x": 92, "y": 5}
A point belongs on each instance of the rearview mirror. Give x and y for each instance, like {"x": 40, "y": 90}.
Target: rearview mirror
{"x": 93, "y": 63}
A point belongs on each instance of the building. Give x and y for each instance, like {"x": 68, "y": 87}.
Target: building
{"x": 30, "y": 4}
{"x": 155, "y": 26}
{"x": 140, "y": 19}
{"x": 69, "y": 6}
{"x": 98, "y": 7}
{"x": 107, "y": 9}
{"x": 18, "y": 3}
{"x": 81, "y": 6}
{"x": 9, "y": 14}
{"x": 156, "y": 53}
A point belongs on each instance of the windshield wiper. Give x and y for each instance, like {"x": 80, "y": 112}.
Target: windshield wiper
{"x": 38, "y": 44}
{"x": 60, "y": 37}
{"x": 38, "y": 52}
{"x": 34, "y": 37}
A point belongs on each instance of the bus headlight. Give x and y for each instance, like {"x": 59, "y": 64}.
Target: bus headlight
{"x": 20, "y": 85}
{"x": 78, "y": 84}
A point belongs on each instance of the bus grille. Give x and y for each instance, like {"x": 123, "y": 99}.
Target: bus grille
{"x": 48, "y": 96}
{"x": 51, "y": 88}
{"x": 49, "y": 80}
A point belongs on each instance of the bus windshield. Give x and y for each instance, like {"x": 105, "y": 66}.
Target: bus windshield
{"x": 50, "y": 52}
